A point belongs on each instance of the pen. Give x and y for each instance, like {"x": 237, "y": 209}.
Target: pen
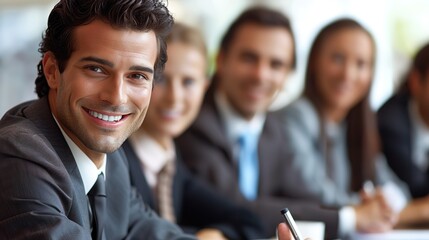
{"x": 291, "y": 223}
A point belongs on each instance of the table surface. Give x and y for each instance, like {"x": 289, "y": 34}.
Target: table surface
{"x": 417, "y": 234}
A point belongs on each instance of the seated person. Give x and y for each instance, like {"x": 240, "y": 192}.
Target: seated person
{"x": 156, "y": 167}
{"x": 256, "y": 55}
{"x": 403, "y": 123}
{"x": 334, "y": 138}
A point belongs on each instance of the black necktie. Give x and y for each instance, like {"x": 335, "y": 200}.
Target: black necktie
{"x": 97, "y": 199}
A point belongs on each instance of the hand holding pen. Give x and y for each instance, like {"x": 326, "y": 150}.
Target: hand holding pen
{"x": 284, "y": 233}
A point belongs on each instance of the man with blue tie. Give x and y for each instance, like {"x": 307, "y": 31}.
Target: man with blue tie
{"x": 235, "y": 144}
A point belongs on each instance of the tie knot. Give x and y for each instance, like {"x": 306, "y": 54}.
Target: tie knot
{"x": 247, "y": 139}
{"x": 99, "y": 188}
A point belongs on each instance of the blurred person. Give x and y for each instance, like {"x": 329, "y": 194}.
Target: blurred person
{"x": 403, "y": 123}
{"x": 334, "y": 137}
{"x": 64, "y": 175}
{"x": 256, "y": 55}
{"x": 175, "y": 102}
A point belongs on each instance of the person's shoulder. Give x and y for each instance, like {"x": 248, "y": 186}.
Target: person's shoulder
{"x": 17, "y": 110}
{"x": 395, "y": 105}
{"x": 300, "y": 111}
{"x": 19, "y": 133}
{"x": 298, "y": 107}
{"x": 14, "y": 120}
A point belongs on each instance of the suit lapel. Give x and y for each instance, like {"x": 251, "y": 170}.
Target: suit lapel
{"x": 41, "y": 115}
{"x": 118, "y": 195}
{"x": 210, "y": 116}
{"x": 138, "y": 180}
{"x": 270, "y": 148}
{"x": 179, "y": 186}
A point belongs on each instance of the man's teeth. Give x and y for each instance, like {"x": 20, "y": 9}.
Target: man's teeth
{"x": 105, "y": 117}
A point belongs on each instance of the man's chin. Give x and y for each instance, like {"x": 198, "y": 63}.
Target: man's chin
{"x": 107, "y": 147}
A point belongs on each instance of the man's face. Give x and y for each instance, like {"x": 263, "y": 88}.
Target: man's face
{"x": 103, "y": 94}
{"x": 254, "y": 67}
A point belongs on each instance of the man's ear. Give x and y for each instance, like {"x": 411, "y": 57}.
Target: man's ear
{"x": 415, "y": 82}
{"x": 50, "y": 69}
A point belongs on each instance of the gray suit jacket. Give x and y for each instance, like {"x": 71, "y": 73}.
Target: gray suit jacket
{"x": 42, "y": 194}
{"x": 315, "y": 176}
{"x": 207, "y": 152}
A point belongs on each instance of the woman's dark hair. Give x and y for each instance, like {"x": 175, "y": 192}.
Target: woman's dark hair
{"x": 420, "y": 64}
{"x": 140, "y": 15}
{"x": 262, "y": 16}
{"x": 362, "y": 135}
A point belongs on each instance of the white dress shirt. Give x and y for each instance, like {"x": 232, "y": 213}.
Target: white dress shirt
{"x": 87, "y": 169}
{"x": 237, "y": 125}
{"x": 420, "y": 140}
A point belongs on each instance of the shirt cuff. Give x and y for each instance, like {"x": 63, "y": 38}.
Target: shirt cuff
{"x": 347, "y": 221}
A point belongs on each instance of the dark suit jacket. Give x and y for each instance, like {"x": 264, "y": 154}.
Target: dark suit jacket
{"x": 396, "y": 134}
{"x": 196, "y": 205}
{"x": 208, "y": 153}
{"x": 42, "y": 194}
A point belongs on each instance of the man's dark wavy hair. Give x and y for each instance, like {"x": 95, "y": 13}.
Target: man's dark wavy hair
{"x": 140, "y": 15}
{"x": 262, "y": 16}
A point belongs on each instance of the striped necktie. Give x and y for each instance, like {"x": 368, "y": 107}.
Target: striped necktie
{"x": 165, "y": 191}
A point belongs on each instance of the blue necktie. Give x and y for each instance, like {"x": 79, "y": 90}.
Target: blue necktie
{"x": 248, "y": 166}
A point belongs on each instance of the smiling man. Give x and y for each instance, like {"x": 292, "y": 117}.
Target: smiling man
{"x": 235, "y": 143}
{"x": 63, "y": 173}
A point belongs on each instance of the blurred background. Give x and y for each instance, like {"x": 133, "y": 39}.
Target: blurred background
{"x": 399, "y": 27}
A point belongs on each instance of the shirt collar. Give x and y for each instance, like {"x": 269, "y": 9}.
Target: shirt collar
{"x": 421, "y": 130}
{"x": 420, "y": 133}
{"x": 235, "y": 124}
{"x": 153, "y": 157}
{"x": 88, "y": 170}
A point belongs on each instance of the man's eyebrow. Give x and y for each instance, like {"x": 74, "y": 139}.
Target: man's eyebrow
{"x": 97, "y": 60}
{"x": 141, "y": 68}
{"x": 110, "y": 64}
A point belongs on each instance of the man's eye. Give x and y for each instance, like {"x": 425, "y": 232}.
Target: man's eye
{"x": 188, "y": 81}
{"x": 138, "y": 76}
{"x": 95, "y": 69}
